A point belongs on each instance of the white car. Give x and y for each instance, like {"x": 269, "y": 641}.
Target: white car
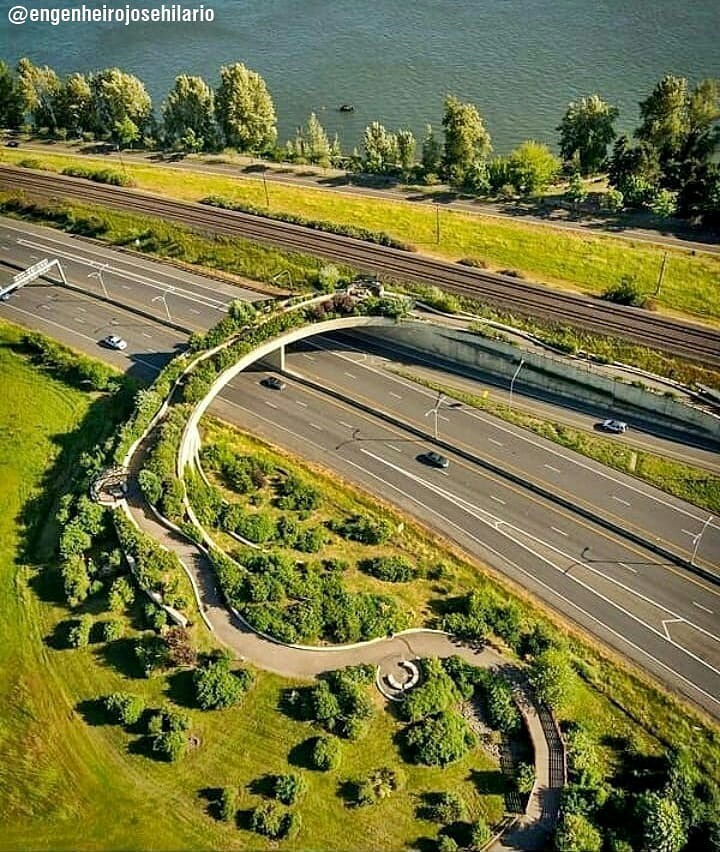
{"x": 112, "y": 341}
{"x": 616, "y": 426}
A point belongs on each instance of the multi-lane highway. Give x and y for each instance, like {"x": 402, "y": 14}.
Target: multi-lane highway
{"x": 662, "y": 617}
{"x": 510, "y": 293}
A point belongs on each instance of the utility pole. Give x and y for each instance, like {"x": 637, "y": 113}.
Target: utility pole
{"x": 515, "y": 375}
{"x": 267, "y": 196}
{"x": 99, "y": 275}
{"x": 437, "y": 224}
{"x": 698, "y": 538}
{"x": 662, "y": 274}
{"x": 434, "y": 411}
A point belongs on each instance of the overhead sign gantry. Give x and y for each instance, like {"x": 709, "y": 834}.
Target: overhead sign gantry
{"x": 37, "y": 270}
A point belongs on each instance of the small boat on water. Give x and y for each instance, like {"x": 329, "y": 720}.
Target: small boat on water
{"x": 346, "y": 108}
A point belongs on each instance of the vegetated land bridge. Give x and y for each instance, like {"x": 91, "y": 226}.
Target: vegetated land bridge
{"x": 521, "y": 297}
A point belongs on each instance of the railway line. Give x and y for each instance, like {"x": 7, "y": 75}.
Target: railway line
{"x": 639, "y": 326}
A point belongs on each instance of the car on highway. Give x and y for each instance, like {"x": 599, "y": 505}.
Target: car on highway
{"x": 5, "y": 297}
{"x": 434, "y": 459}
{"x": 615, "y": 426}
{"x": 13, "y": 143}
{"x": 274, "y": 383}
{"x": 112, "y": 341}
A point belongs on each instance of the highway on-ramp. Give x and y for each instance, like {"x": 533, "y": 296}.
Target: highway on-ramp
{"x": 663, "y": 618}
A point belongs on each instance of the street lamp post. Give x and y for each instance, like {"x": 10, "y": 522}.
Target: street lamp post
{"x": 267, "y": 196}
{"x": 163, "y": 298}
{"x": 515, "y": 375}
{"x": 434, "y": 411}
{"x": 697, "y": 539}
{"x": 98, "y": 274}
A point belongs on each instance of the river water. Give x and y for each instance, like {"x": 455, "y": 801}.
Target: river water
{"x": 521, "y": 61}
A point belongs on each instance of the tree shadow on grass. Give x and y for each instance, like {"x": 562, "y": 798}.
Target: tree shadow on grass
{"x": 243, "y": 819}
{"x": 488, "y": 782}
{"x": 59, "y": 639}
{"x": 180, "y": 688}
{"x": 143, "y": 746}
{"x": 293, "y": 703}
{"x": 300, "y": 754}
{"x": 424, "y": 844}
{"x": 94, "y": 712}
{"x": 120, "y": 655}
{"x": 211, "y": 797}
{"x": 349, "y": 791}
{"x": 263, "y": 786}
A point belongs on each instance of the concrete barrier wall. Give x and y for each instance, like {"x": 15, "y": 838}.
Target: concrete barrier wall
{"x": 547, "y": 375}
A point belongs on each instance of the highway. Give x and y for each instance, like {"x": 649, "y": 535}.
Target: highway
{"x": 663, "y": 618}
{"x": 634, "y": 324}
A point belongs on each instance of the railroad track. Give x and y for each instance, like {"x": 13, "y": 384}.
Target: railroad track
{"x": 521, "y": 297}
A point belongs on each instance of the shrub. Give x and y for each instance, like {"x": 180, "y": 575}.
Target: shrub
{"x": 150, "y": 485}
{"x": 74, "y": 540}
{"x": 393, "y": 569}
{"x": 583, "y": 757}
{"x": 480, "y": 833}
{"x": 378, "y": 785}
{"x": 551, "y": 677}
{"x": 325, "y": 753}
{"x": 445, "y": 808}
{"x": 227, "y": 806}
{"x": 109, "y": 176}
{"x": 362, "y": 529}
{"x": 113, "y": 629}
{"x": 76, "y": 579}
{"x": 121, "y": 595}
{"x": 525, "y": 778}
{"x": 310, "y": 540}
{"x": 216, "y": 686}
{"x": 340, "y": 703}
{"x": 575, "y": 832}
{"x": 446, "y": 843}
{"x": 179, "y": 646}
{"x": 435, "y": 693}
{"x": 503, "y": 714}
{"x": 297, "y": 495}
{"x": 151, "y": 653}
{"x": 289, "y": 788}
{"x": 270, "y": 820}
{"x": 125, "y": 707}
{"x": 625, "y": 292}
{"x": 79, "y": 636}
{"x": 170, "y": 744}
{"x": 439, "y": 740}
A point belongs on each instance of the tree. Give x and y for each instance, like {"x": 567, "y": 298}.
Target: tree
{"x": 121, "y": 105}
{"x": 378, "y": 785}
{"x": 625, "y": 292}
{"x": 436, "y": 692}
{"x": 312, "y": 143}
{"x": 446, "y": 807}
{"x": 113, "y": 629}
{"x": 631, "y": 162}
{"x": 150, "y": 485}
{"x": 380, "y": 147}
{"x": 227, "y": 806}
{"x": 40, "y": 89}
{"x": 406, "y": 146}
{"x": 664, "y": 114}
{"x": 121, "y": 594}
{"x": 325, "y": 753}
{"x": 577, "y": 192}
{"x": 74, "y": 540}
{"x": 662, "y": 823}
{"x": 216, "y": 686}
{"x": 244, "y": 109}
{"x": 431, "y": 156}
{"x": 289, "y": 788}
{"x": 447, "y": 843}
{"x": 439, "y": 740}
{"x": 551, "y": 677}
{"x": 189, "y": 114}
{"x": 664, "y": 203}
{"x": 11, "y": 98}
{"x": 532, "y": 166}
{"x": 75, "y": 105}
{"x": 502, "y": 711}
{"x": 575, "y": 833}
{"x": 76, "y": 579}
{"x": 125, "y": 707}
{"x": 79, "y": 635}
{"x": 467, "y": 142}
{"x": 480, "y": 833}
{"x": 270, "y": 819}
{"x": 586, "y": 130}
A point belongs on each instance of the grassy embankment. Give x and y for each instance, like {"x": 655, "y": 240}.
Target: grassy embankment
{"x": 557, "y": 257}
{"x": 68, "y": 781}
{"x": 609, "y": 695}
{"x": 686, "y": 481}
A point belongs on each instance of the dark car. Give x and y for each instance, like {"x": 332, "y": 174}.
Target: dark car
{"x": 274, "y": 383}
{"x": 13, "y": 143}
{"x": 434, "y": 459}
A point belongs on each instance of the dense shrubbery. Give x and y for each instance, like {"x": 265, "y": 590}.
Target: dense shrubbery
{"x": 393, "y": 569}
{"x": 273, "y": 821}
{"x": 445, "y": 808}
{"x": 435, "y": 693}
{"x": 479, "y": 613}
{"x": 297, "y": 495}
{"x": 79, "y": 634}
{"x": 289, "y": 788}
{"x": 339, "y": 703}
{"x": 125, "y": 707}
{"x": 378, "y": 785}
{"x": 110, "y": 176}
{"x": 363, "y": 529}
{"x": 440, "y": 739}
{"x": 71, "y": 366}
{"x": 217, "y": 686}
{"x": 325, "y": 753}
{"x": 242, "y": 474}
{"x": 168, "y": 731}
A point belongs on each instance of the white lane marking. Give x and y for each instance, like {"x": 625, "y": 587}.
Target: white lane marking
{"x": 350, "y": 375}
{"x": 503, "y": 558}
{"x": 442, "y": 417}
{"x": 628, "y": 567}
{"x": 493, "y": 441}
{"x": 665, "y": 623}
{"x": 576, "y": 460}
{"x": 346, "y": 425}
{"x": 145, "y": 334}
{"x": 80, "y": 320}
{"x": 620, "y": 500}
{"x": 193, "y": 311}
{"x": 45, "y": 307}
{"x": 497, "y": 499}
{"x": 396, "y": 395}
{"x": 315, "y": 426}
{"x": 561, "y": 532}
{"x": 125, "y": 286}
{"x": 84, "y": 310}
{"x": 393, "y": 447}
{"x": 300, "y": 402}
{"x": 271, "y": 404}
{"x": 550, "y": 467}
{"x": 687, "y": 532}
{"x": 309, "y": 357}
{"x": 703, "y": 608}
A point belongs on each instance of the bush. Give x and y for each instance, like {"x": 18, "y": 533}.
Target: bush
{"x": 74, "y": 540}
{"x": 289, "y": 788}
{"x": 340, "y": 703}
{"x": 270, "y": 820}
{"x": 446, "y": 843}
{"x": 439, "y": 740}
{"x": 575, "y": 832}
{"x": 297, "y": 495}
{"x": 76, "y": 579}
{"x": 155, "y": 617}
{"x": 150, "y": 485}
{"x": 445, "y": 808}
{"x": 168, "y": 732}
{"x": 217, "y": 687}
{"x": 362, "y": 529}
{"x": 113, "y": 629}
{"x": 625, "y": 292}
{"x": 480, "y": 833}
{"x": 325, "y": 753}
{"x": 378, "y": 785}
{"x": 502, "y": 711}
{"x": 79, "y": 636}
{"x": 551, "y": 677}
{"x": 584, "y": 759}
{"x": 227, "y": 807}
{"x": 125, "y": 707}
{"x": 392, "y": 569}
{"x": 525, "y": 778}
{"x": 435, "y": 693}
{"x": 109, "y": 176}
{"x": 151, "y": 653}
{"x": 121, "y": 595}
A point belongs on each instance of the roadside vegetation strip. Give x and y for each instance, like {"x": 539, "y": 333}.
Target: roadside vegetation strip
{"x": 686, "y": 481}
{"x": 589, "y": 264}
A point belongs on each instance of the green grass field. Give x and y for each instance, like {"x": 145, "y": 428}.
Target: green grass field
{"x": 552, "y": 256}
